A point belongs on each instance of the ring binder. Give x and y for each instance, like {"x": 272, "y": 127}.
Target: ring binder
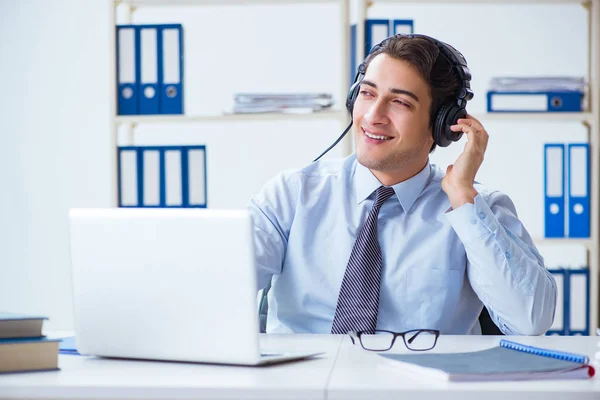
{"x": 559, "y": 355}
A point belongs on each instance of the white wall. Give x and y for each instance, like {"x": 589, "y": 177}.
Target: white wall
{"x": 55, "y": 110}
{"x": 54, "y": 132}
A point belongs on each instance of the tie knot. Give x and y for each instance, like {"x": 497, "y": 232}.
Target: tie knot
{"x": 382, "y": 194}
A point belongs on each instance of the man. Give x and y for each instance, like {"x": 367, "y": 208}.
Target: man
{"x": 385, "y": 240}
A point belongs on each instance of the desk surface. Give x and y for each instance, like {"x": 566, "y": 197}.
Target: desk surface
{"x": 360, "y": 374}
{"x": 103, "y": 378}
{"x": 344, "y": 372}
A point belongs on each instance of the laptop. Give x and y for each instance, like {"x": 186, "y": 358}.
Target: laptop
{"x": 167, "y": 284}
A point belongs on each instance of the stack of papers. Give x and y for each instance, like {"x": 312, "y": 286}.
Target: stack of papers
{"x": 250, "y": 103}
{"x": 537, "y": 84}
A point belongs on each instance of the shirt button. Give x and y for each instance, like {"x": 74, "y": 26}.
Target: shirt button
{"x": 482, "y": 215}
{"x": 507, "y": 254}
{"x": 473, "y": 221}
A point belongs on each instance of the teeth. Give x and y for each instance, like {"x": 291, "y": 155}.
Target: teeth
{"x": 376, "y": 137}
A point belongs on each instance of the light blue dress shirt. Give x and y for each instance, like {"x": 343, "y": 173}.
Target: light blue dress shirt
{"x": 440, "y": 266}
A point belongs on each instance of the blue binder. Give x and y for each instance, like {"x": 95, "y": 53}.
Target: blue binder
{"x": 376, "y": 30}
{"x": 353, "y": 61}
{"x": 148, "y": 71}
{"x": 127, "y": 72}
{"x": 374, "y": 33}
{"x": 128, "y": 177}
{"x": 550, "y": 101}
{"x": 170, "y": 42}
{"x": 162, "y": 176}
{"x": 577, "y": 306}
{"x": 402, "y": 26}
{"x": 579, "y": 189}
{"x": 554, "y": 195}
{"x": 150, "y": 186}
{"x": 559, "y": 327}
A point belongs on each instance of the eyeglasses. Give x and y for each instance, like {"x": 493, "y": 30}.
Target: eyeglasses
{"x": 380, "y": 340}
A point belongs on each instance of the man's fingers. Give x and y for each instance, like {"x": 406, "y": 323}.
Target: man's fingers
{"x": 477, "y": 136}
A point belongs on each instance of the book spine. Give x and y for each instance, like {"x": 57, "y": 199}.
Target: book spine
{"x": 561, "y": 355}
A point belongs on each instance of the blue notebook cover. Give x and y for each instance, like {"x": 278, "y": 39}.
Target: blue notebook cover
{"x": 67, "y": 346}
{"x": 6, "y": 316}
{"x": 27, "y": 340}
{"x": 508, "y": 361}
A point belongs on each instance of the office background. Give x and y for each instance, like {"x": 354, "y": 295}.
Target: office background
{"x": 57, "y": 99}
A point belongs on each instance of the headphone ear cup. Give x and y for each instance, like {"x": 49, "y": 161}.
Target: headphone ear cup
{"x": 438, "y": 131}
{"x": 351, "y": 98}
{"x": 447, "y": 116}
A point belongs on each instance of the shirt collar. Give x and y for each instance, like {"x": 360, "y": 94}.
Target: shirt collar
{"x": 407, "y": 192}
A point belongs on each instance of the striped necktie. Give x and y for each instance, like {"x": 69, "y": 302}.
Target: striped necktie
{"x": 358, "y": 301}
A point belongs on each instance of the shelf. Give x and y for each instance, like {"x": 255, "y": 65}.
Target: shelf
{"x": 171, "y": 3}
{"x": 587, "y": 243}
{"x": 508, "y": 117}
{"x": 151, "y": 119}
{"x": 484, "y": 1}
{"x": 536, "y": 117}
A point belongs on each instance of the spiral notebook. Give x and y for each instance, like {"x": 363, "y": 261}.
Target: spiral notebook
{"x": 508, "y": 361}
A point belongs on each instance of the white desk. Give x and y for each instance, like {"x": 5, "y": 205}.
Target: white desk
{"x": 101, "y": 378}
{"x": 359, "y": 374}
{"x": 344, "y": 372}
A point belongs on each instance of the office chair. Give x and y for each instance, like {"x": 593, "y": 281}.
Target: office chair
{"x": 488, "y": 327}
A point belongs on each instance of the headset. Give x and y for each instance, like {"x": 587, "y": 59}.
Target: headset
{"x": 448, "y": 113}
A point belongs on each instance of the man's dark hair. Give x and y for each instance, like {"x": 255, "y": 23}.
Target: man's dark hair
{"x": 434, "y": 68}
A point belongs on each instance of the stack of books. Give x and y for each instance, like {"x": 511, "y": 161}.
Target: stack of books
{"x": 251, "y": 103}
{"x": 22, "y": 345}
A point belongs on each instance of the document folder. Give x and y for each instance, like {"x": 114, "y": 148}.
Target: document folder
{"x": 578, "y": 304}
{"x": 559, "y": 326}
{"x": 375, "y": 31}
{"x": 162, "y": 176}
{"x": 353, "y": 61}
{"x": 536, "y": 94}
{"x": 403, "y": 26}
{"x": 534, "y": 101}
{"x": 151, "y": 167}
{"x": 554, "y": 198}
{"x": 579, "y": 189}
{"x": 149, "y": 95}
{"x": 195, "y": 176}
{"x": 173, "y": 178}
{"x": 128, "y": 177}
{"x": 171, "y": 69}
{"x": 127, "y": 61}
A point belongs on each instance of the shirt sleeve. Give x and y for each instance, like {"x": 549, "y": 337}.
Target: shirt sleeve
{"x": 504, "y": 268}
{"x": 272, "y": 211}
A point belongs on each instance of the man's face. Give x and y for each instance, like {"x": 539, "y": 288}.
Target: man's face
{"x": 391, "y": 117}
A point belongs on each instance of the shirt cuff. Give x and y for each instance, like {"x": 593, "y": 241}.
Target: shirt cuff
{"x": 473, "y": 221}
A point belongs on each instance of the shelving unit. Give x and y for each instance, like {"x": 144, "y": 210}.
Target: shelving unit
{"x": 132, "y": 122}
{"x": 590, "y": 118}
